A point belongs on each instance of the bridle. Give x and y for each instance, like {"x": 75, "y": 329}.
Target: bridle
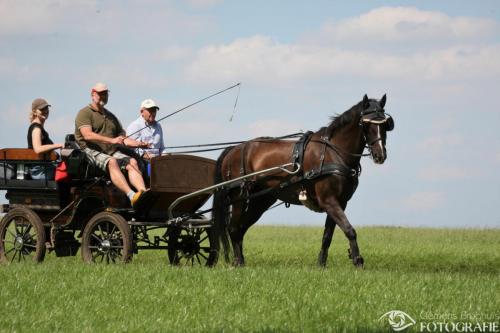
{"x": 375, "y": 115}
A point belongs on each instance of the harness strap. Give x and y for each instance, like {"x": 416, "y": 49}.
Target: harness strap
{"x": 331, "y": 169}
{"x": 299, "y": 149}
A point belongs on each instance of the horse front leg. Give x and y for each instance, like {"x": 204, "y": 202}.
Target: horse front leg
{"x": 326, "y": 241}
{"x": 337, "y": 214}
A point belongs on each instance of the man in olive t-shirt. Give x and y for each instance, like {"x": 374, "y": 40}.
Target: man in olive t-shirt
{"x": 99, "y": 134}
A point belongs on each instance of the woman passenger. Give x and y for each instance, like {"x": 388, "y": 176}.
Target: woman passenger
{"x": 38, "y": 138}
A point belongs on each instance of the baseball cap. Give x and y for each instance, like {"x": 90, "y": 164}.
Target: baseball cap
{"x": 99, "y": 87}
{"x": 148, "y": 104}
{"x": 39, "y": 103}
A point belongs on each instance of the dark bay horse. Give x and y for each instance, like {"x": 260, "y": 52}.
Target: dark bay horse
{"x": 326, "y": 167}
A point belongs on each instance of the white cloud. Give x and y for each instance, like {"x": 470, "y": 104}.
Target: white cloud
{"x": 403, "y": 24}
{"x": 448, "y": 48}
{"x": 259, "y": 59}
{"x": 38, "y": 17}
{"x": 424, "y": 201}
{"x": 136, "y": 20}
{"x": 442, "y": 173}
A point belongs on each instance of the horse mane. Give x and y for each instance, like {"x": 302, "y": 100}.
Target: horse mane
{"x": 340, "y": 120}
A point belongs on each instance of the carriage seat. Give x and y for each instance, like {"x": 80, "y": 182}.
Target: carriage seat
{"x": 79, "y": 165}
{"x": 15, "y": 164}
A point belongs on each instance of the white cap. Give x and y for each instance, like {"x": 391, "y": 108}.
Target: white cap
{"x": 99, "y": 87}
{"x": 148, "y": 104}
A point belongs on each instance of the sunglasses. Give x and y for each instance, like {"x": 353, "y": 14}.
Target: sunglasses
{"x": 101, "y": 93}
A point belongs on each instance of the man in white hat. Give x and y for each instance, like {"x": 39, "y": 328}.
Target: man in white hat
{"x": 100, "y": 134}
{"x": 147, "y": 129}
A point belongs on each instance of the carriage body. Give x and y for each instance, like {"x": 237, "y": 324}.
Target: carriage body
{"x": 66, "y": 216}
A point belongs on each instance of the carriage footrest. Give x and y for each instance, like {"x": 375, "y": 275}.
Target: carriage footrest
{"x": 65, "y": 244}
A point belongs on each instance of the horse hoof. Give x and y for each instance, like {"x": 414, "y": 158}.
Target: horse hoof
{"x": 359, "y": 262}
{"x": 238, "y": 263}
{"x": 349, "y": 253}
{"x": 322, "y": 259}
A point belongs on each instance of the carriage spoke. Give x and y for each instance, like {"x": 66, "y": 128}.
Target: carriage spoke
{"x": 112, "y": 231}
{"x": 203, "y": 239}
{"x": 96, "y": 237}
{"x": 198, "y": 258}
{"x": 201, "y": 254}
{"x": 10, "y": 232}
{"x": 13, "y": 249}
{"x": 97, "y": 254}
{"x": 26, "y": 232}
{"x": 14, "y": 256}
{"x": 100, "y": 230}
{"x": 17, "y": 229}
{"x": 30, "y": 245}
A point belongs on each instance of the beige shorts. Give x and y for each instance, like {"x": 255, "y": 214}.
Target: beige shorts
{"x": 101, "y": 159}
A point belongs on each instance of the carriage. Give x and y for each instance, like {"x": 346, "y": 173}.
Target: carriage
{"x": 86, "y": 212}
{"x": 320, "y": 171}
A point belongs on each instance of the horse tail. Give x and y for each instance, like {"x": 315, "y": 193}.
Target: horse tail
{"x": 220, "y": 208}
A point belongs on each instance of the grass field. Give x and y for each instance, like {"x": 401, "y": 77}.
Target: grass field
{"x": 423, "y": 272}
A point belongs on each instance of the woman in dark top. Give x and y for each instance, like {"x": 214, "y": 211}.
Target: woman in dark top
{"x": 38, "y": 138}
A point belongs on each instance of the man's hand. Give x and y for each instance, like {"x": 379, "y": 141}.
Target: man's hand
{"x": 147, "y": 156}
{"x": 119, "y": 140}
{"x": 136, "y": 144}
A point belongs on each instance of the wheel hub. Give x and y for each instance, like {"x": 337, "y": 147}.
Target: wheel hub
{"x": 19, "y": 243}
{"x": 105, "y": 246}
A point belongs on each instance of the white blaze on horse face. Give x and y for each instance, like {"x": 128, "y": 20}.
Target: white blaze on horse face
{"x": 380, "y": 141}
{"x": 378, "y": 152}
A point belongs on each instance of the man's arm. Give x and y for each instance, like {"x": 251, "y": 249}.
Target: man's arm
{"x": 89, "y": 135}
{"x": 134, "y": 134}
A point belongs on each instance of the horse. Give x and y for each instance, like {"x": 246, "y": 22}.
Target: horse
{"x": 326, "y": 167}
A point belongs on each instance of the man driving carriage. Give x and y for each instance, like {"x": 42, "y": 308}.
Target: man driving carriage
{"x": 100, "y": 134}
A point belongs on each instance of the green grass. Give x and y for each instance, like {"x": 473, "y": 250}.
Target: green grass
{"x": 280, "y": 290}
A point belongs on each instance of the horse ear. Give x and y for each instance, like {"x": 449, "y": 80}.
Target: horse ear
{"x": 382, "y": 101}
{"x": 366, "y": 103}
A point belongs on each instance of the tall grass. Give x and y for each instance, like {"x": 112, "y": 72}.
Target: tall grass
{"x": 419, "y": 271}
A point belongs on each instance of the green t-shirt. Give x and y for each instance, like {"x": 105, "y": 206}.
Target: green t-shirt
{"x": 105, "y": 124}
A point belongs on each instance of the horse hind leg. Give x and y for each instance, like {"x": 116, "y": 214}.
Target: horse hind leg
{"x": 243, "y": 220}
{"x": 326, "y": 241}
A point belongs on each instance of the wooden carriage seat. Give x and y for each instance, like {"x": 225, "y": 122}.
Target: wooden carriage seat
{"x": 17, "y": 157}
{"x": 25, "y": 154}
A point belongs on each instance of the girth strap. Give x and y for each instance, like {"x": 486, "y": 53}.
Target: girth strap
{"x": 331, "y": 169}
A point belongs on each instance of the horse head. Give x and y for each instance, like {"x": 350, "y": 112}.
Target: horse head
{"x": 375, "y": 124}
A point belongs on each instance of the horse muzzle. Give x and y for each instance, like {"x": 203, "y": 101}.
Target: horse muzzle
{"x": 378, "y": 155}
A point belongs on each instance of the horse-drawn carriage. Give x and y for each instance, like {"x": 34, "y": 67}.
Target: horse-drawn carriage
{"x": 320, "y": 170}
{"x": 86, "y": 211}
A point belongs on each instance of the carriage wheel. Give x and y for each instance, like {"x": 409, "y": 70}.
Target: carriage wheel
{"x": 107, "y": 239}
{"x": 189, "y": 246}
{"x": 22, "y": 236}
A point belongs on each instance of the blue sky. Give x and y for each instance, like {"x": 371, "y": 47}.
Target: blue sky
{"x": 299, "y": 64}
